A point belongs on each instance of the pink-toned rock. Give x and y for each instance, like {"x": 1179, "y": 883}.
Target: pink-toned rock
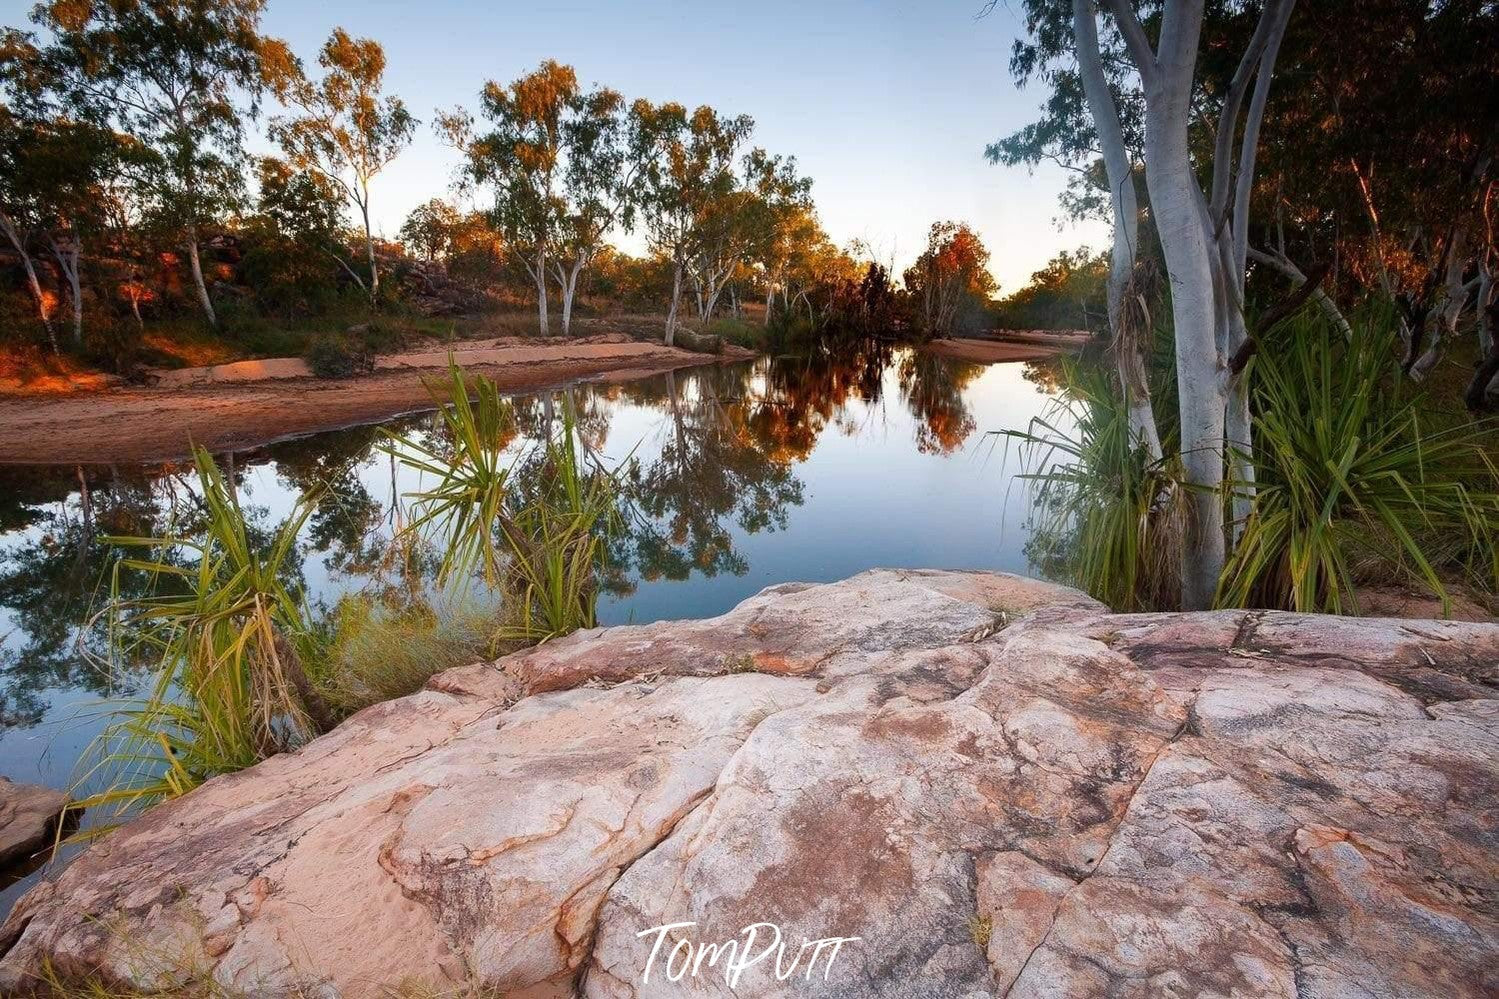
{"x": 995, "y": 785}
{"x": 28, "y": 818}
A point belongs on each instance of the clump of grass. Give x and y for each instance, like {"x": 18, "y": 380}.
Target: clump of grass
{"x": 229, "y": 636}
{"x": 981, "y": 928}
{"x": 376, "y": 653}
{"x": 1106, "y": 518}
{"x": 1349, "y": 469}
{"x": 743, "y": 663}
{"x": 738, "y": 331}
{"x": 533, "y": 525}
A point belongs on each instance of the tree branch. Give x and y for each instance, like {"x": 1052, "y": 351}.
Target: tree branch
{"x": 1135, "y": 39}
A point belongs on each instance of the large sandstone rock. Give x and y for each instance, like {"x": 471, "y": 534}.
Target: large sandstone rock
{"x": 28, "y": 818}
{"x": 995, "y": 785}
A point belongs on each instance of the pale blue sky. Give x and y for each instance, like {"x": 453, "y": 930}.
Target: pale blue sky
{"x": 886, "y": 105}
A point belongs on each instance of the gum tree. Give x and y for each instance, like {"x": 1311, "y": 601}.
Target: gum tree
{"x": 54, "y": 171}
{"x": 347, "y": 130}
{"x": 1203, "y": 233}
{"x": 600, "y": 186}
{"x": 168, "y": 75}
{"x": 689, "y": 177}
{"x": 429, "y": 228}
{"x": 521, "y": 158}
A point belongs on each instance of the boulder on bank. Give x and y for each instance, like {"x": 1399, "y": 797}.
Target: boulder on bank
{"x": 28, "y": 819}
{"x": 996, "y": 785}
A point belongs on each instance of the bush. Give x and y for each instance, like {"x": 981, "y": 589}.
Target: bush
{"x": 339, "y": 355}
{"x": 1353, "y": 466}
{"x": 737, "y": 331}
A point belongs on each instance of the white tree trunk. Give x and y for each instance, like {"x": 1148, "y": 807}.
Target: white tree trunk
{"x": 66, "y": 254}
{"x": 1320, "y": 298}
{"x": 1177, "y": 203}
{"x": 539, "y": 273}
{"x": 369, "y": 250}
{"x": 43, "y": 310}
{"x": 676, "y": 298}
{"x": 1133, "y": 377}
{"x": 1239, "y": 423}
{"x": 1445, "y": 325}
{"x": 567, "y": 283}
{"x": 197, "y": 268}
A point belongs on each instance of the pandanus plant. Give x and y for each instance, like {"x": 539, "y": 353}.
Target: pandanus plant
{"x": 228, "y": 634}
{"x": 531, "y": 525}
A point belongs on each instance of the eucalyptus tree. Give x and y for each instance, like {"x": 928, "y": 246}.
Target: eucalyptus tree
{"x": 951, "y": 273}
{"x": 1203, "y": 234}
{"x": 742, "y": 223}
{"x": 521, "y": 158}
{"x": 54, "y": 168}
{"x": 686, "y": 184}
{"x": 786, "y": 253}
{"x": 430, "y": 227}
{"x": 347, "y": 130}
{"x": 306, "y": 211}
{"x": 168, "y": 74}
{"x": 21, "y": 76}
{"x": 601, "y": 185}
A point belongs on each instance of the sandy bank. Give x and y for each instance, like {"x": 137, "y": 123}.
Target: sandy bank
{"x": 1017, "y": 345}
{"x": 249, "y": 403}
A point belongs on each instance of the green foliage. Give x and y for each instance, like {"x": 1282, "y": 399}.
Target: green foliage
{"x": 429, "y": 229}
{"x": 737, "y": 331}
{"x": 1106, "y": 518}
{"x": 339, "y": 355}
{"x": 1067, "y": 294}
{"x": 228, "y": 634}
{"x": 533, "y": 526}
{"x": 1349, "y": 463}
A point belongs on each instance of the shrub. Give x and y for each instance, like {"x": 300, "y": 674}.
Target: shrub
{"x": 737, "y": 331}
{"x": 339, "y": 355}
{"x": 1350, "y": 467}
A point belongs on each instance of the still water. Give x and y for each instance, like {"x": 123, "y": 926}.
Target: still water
{"x": 742, "y": 476}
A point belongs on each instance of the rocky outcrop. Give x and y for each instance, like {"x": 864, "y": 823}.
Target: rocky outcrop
{"x": 28, "y": 818}
{"x": 997, "y": 787}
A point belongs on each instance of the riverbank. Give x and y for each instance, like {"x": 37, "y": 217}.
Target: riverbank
{"x": 1008, "y": 345}
{"x": 250, "y": 403}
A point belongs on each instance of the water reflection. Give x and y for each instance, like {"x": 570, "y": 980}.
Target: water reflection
{"x": 736, "y": 476}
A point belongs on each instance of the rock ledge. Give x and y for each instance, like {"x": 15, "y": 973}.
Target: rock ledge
{"x": 998, "y": 786}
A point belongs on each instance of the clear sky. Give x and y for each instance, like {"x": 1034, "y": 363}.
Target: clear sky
{"x": 887, "y": 105}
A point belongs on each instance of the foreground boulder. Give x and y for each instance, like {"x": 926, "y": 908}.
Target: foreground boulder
{"x": 955, "y": 784}
{"x": 28, "y": 819}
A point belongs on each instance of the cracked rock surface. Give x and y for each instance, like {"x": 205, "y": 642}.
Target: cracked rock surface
{"x": 999, "y": 787}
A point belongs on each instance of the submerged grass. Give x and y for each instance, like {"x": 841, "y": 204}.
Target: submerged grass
{"x": 377, "y": 653}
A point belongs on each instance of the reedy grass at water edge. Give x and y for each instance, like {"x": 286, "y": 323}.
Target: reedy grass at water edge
{"x": 1105, "y": 517}
{"x": 228, "y": 634}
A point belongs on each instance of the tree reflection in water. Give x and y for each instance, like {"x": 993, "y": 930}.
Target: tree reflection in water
{"x": 720, "y": 465}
